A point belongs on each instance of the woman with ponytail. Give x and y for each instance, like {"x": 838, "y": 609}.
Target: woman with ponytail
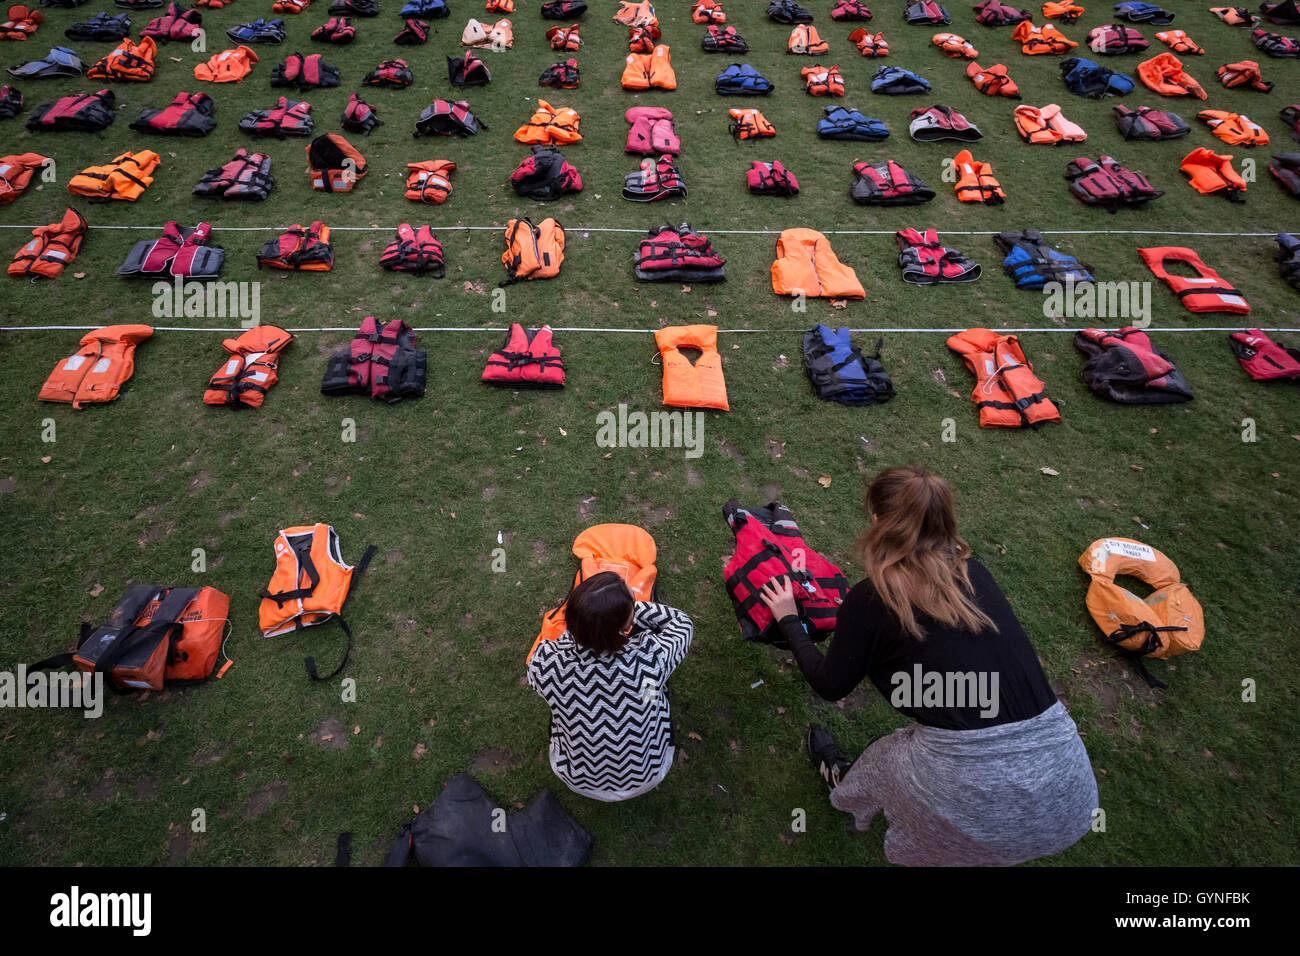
{"x": 992, "y": 771}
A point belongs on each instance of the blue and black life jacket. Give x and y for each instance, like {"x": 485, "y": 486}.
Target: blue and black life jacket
{"x": 895, "y": 81}
{"x": 60, "y": 61}
{"x": 1033, "y": 263}
{"x": 100, "y": 27}
{"x": 840, "y": 373}
{"x": 741, "y": 79}
{"x": 839, "y": 122}
{"x": 926, "y": 12}
{"x": 1137, "y": 12}
{"x": 433, "y": 9}
{"x": 786, "y": 11}
{"x": 1088, "y": 79}
{"x": 258, "y": 31}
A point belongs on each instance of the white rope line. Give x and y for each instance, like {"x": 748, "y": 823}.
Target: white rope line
{"x": 351, "y": 330}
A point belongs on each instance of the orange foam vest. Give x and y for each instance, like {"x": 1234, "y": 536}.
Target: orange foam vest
{"x": 1207, "y": 291}
{"x": 692, "y": 386}
{"x": 228, "y": 66}
{"x": 16, "y": 174}
{"x": 251, "y": 370}
{"x": 97, "y": 371}
{"x": 125, "y": 177}
{"x": 51, "y": 247}
{"x": 1007, "y": 392}
{"x": 806, "y": 265}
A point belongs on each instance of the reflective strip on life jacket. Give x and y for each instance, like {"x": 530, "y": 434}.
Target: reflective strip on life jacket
{"x": 100, "y": 367}
{"x": 251, "y": 370}
{"x": 1207, "y": 291}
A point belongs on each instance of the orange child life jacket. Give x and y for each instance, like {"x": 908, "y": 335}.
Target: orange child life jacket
{"x": 954, "y": 46}
{"x": 692, "y": 386}
{"x": 975, "y": 182}
{"x": 429, "y": 181}
{"x": 564, "y": 38}
{"x": 500, "y": 6}
{"x": 16, "y": 174}
{"x": 20, "y": 23}
{"x": 806, "y": 265}
{"x": 625, "y": 549}
{"x": 1036, "y": 41}
{"x": 749, "y": 123}
{"x": 1235, "y": 129}
{"x": 1065, "y": 10}
{"x": 1180, "y": 42}
{"x": 1164, "y": 73}
{"x": 708, "y": 11}
{"x": 993, "y": 81}
{"x": 1168, "y": 622}
{"x": 1207, "y": 291}
{"x": 533, "y": 251}
{"x": 125, "y": 177}
{"x": 823, "y": 81}
{"x": 251, "y": 370}
{"x": 805, "y": 39}
{"x": 549, "y": 126}
{"x": 99, "y": 368}
{"x": 51, "y": 248}
{"x": 129, "y": 60}
{"x": 1007, "y": 392}
{"x": 869, "y": 44}
{"x": 636, "y": 14}
{"x": 1209, "y": 172}
{"x": 228, "y": 66}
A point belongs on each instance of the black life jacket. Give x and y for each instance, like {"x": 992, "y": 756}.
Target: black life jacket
{"x": 787, "y": 11}
{"x": 468, "y": 70}
{"x": 839, "y": 122}
{"x": 354, "y": 8}
{"x": 305, "y": 72}
{"x": 656, "y": 179}
{"x": 176, "y": 24}
{"x": 1281, "y": 11}
{"x": 839, "y": 372}
{"x": 413, "y": 33}
{"x": 258, "y": 31}
{"x": 60, "y": 61}
{"x": 335, "y": 30}
{"x": 299, "y": 248}
{"x": 771, "y": 179}
{"x": 934, "y": 123}
{"x": 887, "y": 184}
{"x": 1291, "y": 116}
{"x": 359, "y": 116}
{"x": 85, "y": 112}
{"x": 678, "y": 254}
{"x": 741, "y": 79}
{"x": 1137, "y": 11}
{"x": 926, "y": 12}
{"x": 528, "y": 358}
{"x": 1285, "y": 168}
{"x": 444, "y": 118}
{"x": 381, "y": 362}
{"x": 179, "y": 251}
{"x": 926, "y": 261}
{"x": 101, "y": 26}
{"x": 434, "y": 9}
{"x": 1288, "y": 259}
{"x": 1149, "y": 124}
{"x": 1106, "y": 183}
{"x": 1032, "y": 263}
{"x": 247, "y": 176}
{"x": 896, "y": 81}
{"x": 561, "y": 76}
{"x": 1126, "y": 367}
{"x": 563, "y": 9}
{"x": 545, "y": 175}
{"x": 723, "y": 40}
{"x": 1276, "y": 45}
{"x": 188, "y": 114}
{"x": 286, "y": 118}
{"x": 414, "y": 250}
{"x": 11, "y": 101}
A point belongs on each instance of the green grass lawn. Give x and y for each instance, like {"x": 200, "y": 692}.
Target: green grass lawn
{"x": 1190, "y": 775}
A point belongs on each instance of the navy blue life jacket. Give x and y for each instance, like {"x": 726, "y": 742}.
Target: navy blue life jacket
{"x": 1088, "y": 79}
{"x": 258, "y": 31}
{"x": 1032, "y": 263}
{"x": 432, "y": 9}
{"x": 741, "y": 79}
{"x": 1138, "y": 12}
{"x": 839, "y": 122}
{"x": 100, "y": 27}
{"x": 841, "y": 373}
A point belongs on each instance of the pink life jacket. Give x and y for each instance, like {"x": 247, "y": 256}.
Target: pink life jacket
{"x": 527, "y": 359}
{"x": 652, "y": 132}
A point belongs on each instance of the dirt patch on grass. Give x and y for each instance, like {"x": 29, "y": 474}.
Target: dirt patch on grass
{"x": 7, "y": 484}
{"x": 265, "y": 797}
{"x": 466, "y": 621}
{"x": 731, "y": 451}
{"x": 200, "y": 481}
{"x": 693, "y": 479}
{"x": 393, "y": 555}
{"x": 492, "y": 761}
{"x": 226, "y": 517}
{"x": 489, "y": 493}
{"x": 145, "y": 788}
{"x": 334, "y": 484}
{"x": 330, "y": 734}
{"x": 106, "y": 787}
{"x": 541, "y": 552}
{"x": 586, "y": 506}
{"x": 178, "y": 845}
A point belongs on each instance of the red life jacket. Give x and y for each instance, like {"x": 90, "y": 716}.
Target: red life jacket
{"x": 771, "y": 179}
{"x": 394, "y": 74}
{"x": 413, "y": 250}
{"x": 678, "y": 253}
{"x": 652, "y": 131}
{"x": 1262, "y": 358}
{"x": 179, "y": 251}
{"x": 335, "y": 30}
{"x": 286, "y": 118}
{"x": 467, "y": 70}
{"x": 359, "y": 116}
{"x": 769, "y": 545}
{"x": 381, "y": 362}
{"x": 413, "y": 32}
{"x": 444, "y": 118}
{"x": 1107, "y": 183}
{"x": 1125, "y": 366}
{"x": 527, "y": 359}
{"x": 188, "y": 114}
{"x": 1206, "y": 292}
{"x": 175, "y": 24}
{"x": 90, "y": 112}
{"x": 887, "y": 184}
{"x": 561, "y": 76}
{"x": 251, "y": 370}
{"x": 247, "y": 176}
{"x": 722, "y": 40}
{"x": 304, "y": 72}
{"x": 925, "y": 261}
{"x": 16, "y": 174}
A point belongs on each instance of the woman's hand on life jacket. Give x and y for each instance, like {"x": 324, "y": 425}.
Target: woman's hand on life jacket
{"x": 778, "y": 595}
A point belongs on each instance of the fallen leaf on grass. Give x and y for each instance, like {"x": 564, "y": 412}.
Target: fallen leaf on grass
{"x": 839, "y": 303}
{"x": 97, "y": 590}
{"x": 1135, "y": 467}
{"x": 694, "y": 736}
{"x": 713, "y": 314}
{"x": 1049, "y": 471}
{"x": 824, "y": 481}
{"x": 419, "y": 751}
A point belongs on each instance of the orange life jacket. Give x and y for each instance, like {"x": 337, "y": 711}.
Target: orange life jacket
{"x": 290, "y": 6}
{"x": 805, "y": 39}
{"x": 994, "y": 81}
{"x": 1167, "y": 622}
{"x": 1180, "y": 42}
{"x": 955, "y": 46}
{"x": 533, "y": 251}
{"x": 644, "y": 71}
{"x": 16, "y": 174}
{"x": 823, "y": 81}
{"x": 1046, "y": 125}
{"x": 975, "y": 182}
{"x": 636, "y": 14}
{"x": 299, "y": 249}
{"x": 1207, "y": 291}
{"x": 564, "y": 38}
{"x": 642, "y": 39}
{"x": 228, "y": 66}
{"x": 549, "y": 126}
{"x": 251, "y": 370}
{"x": 51, "y": 248}
{"x": 749, "y": 123}
{"x": 1234, "y": 16}
{"x": 687, "y": 385}
{"x": 1209, "y": 172}
{"x": 309, "y": 585}
{"x": 429, "y": 181}
{"x": 1164, "y": 73}
{"x": 21, "y": 23}
{"x": 1066, "y": 11}
{"x": 335, "y": 164}
{"x": 1007, "y": 392}
{"x": 125, "y": 177}
{"x": 129, "y": 60}
{"x": 1242, "y": 73}
{"x": 1235, "y": 129}
{"x": 99, "y": 368}
{"x": 1046, "y": 39}
{"x": 869, "y": 44}
{"x": 625, "y": 549}
{"x": 498, "y": 37}
{"x": 500, "y": 6}
{"x": 806, "y": 265}
{"x": 708, "y": 11}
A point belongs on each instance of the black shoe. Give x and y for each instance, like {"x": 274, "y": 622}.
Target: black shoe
{"x": 826, "y": 756}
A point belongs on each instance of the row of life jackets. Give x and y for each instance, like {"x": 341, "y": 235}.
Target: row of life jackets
{"x": 228, "y": 66}
{"x": 545, "y": 175}
{"x": 1007, "y": 392}
{"x": 930, "y": 124}
{"x": 651, "y": 132}
{"x": 887, "y": 183}
{"x": 839, "y": 372}
{"x": 124, "y": 177}
{"x": 299, "y": 249}
{"x": 924, "y": 260}
{"x": 548, "y": 126}
{"x": 335, "y": 165}
{"x": 869, "y": 44}
{"x": 805, "y": 40}
{"x": 1263, "y": 359}
{"x": 246, "y": 176}
{"x": 823, "y": 81}
{"x": 88, "y": 112}
{"x": 1211, "y": 173}
{"x": 51, "y": 248}
{"x": 771, "y": 179}
{"x": 381, "y": 361}
{"x": 955, "y": 46}
{"x": 97, "y": 371}
{"x": 1108, "y": 184}
{"x": 723, "y": 40}
{"x": 1046, "y": 125}
{"x": 444, "y": 118}
{"x": 16, "y": 174}
{"x": 305, "y": 72}
{"x": 741, "y": 79}
{"x": 1035, "y": 40}
{"x": 188, "y": 114}
{"x": 1180, "y": 42}
{"x": 286, "y": 118}
{"x": 1235, "y": 129}
{"x": 532, "y": 251}
{"x": 656, "y": 179}
{"x": 1146, "y": 123}
{"x": 975, "y": 181}
{"x": 749, "y": 123}
{"x": 253, "y": 367}
{"x": 1033, "y": 264}
{"x": 992, "y": 81}
{"x": 183, "y": 251}
{"x": 1207, "y": 291}
{"x": 686, "y": 384}
{"x": 1164, "y": 73}
{"x": 842, "y": 123}
{"x": 129, "y": 61}
{"x": 1115, "y": 40}
{"x": 645, "y": 71}
{"x": 1126, "y": 367}
{"x": 678, "y": 254}
{"x": 528, "y": 358}
{"x": 429, "y": 181}
{"x": 561, "y": 76}
{"x": 806, "y": 265}
{"x": 466, "y": 70}
{"x": 414, "y": 250}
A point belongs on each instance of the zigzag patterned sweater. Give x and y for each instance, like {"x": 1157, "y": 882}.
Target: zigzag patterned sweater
{"x": 611, "y": 733}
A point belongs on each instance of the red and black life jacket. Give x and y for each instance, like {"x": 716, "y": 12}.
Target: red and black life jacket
{"x": 1262, "y": 358}
{"x": 1288, "y": 258}
{"x": 414, "y": 250}
{"x": 335, "y": 165}
{"x": 444, "y": 118}
{"x": 769, "y": 546}
{"x": 179, "y": 251}
{"x": 678, "y": 254}
{"x": 247, "y": 176}
{"x": 86, "y": 112}
{"x": 286, "y": 118}
{"x": 933, "y": 123}
{"x": 1207, "y": 291}
{"x": 338, "y": 30}
{"x": 299, "y": 249}
{"x": 656, "y": 179}
{"x": 771, "y": 179}
{"x": 1115, "y": 39}
{"x": 413, "y": 33}
{"x": 1149, "y": 124}
{"x": 887, "y": 184}
{"x": 394, "y": 74}
{"x": 1108, "y": 184}
{"x": 1126, "y": 367}
{"x": 545, "y": 175}
{"x": 467, "y": 70}
{"x": 926, "y": 261}
{"x": 561, "y": 76}
{"x": 175, "y": 24}
{"x": 926, "y": 12}
{"x": 995, "y": 13}
{"x": 359, "y": 116}
{"x": 1276, "y": 45}
{"x": 305, "y": 72}
{"x": 11, "y": 101}
{"x": 527, "y": 359}
{"x": 253, "y": 367}
{"x": 563, "y": 9}
{"x": 188, "y": 114}
{"x": 723, "y": 40}
{"x": 381, "y": 362}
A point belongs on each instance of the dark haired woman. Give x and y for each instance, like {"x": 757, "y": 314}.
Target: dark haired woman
{"x": 606, "y": 682}
{"x": 992, "y": 771}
